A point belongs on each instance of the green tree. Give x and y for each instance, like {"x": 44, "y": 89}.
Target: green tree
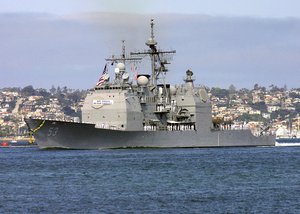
{"x": 44, "y": 93}
{"x": 232, "y": 89}
{"x": 28, "y": 91}
{"x": 261, "y": 106}
{"x": 218, "y": 92}
{"x": 297, "y": 107}
{"x": 65, "y": 90}
{"x": 52, "y": 90}
{"x": 250, "y": 117}
{"x": 282, "y": 113}
{"x": 69, "y": 111}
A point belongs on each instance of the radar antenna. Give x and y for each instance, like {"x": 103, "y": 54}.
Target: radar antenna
{"x": 158, "y": 57}
{"x": 121, "y": 61}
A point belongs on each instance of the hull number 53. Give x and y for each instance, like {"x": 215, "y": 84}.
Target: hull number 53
{"x": 52, "y": 131}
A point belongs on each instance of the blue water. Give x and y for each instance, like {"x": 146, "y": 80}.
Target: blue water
{"x": 232, "y": 180}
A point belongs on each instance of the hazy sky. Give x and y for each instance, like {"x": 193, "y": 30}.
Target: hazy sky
{"x": 262, "y": 8}
{"x": 45, "y": 43}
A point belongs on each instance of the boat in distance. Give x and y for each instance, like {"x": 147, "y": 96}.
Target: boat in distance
{"x": 285, "y": 137}
{"x": 150, "y": 113}
{"x": 292, "y": 141}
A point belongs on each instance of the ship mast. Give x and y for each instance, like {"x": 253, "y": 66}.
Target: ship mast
{"x": 158, "y": 60}
{"x": 121, "y": 61}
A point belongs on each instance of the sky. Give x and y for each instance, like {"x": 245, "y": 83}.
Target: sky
{"x": 64, "y": 43}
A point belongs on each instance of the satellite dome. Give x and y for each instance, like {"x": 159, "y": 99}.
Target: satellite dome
{"x": 121, "y": 66}
{"x": 142, "y": 80}
{"x": 117, "y": 70}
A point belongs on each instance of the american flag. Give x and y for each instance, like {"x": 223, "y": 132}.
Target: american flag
{"x": 102, "y": 77}
{"x": 134, "y": 70}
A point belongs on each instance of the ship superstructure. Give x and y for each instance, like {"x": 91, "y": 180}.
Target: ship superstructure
{"x": 151, "y": 105}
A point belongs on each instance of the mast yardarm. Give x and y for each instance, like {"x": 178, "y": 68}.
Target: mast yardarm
{"x": 158, "y": 58}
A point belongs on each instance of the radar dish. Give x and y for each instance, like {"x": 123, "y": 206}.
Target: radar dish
{"x": 203, "y": 95}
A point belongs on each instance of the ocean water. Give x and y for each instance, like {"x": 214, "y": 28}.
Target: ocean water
{"x": 219, "y": 180}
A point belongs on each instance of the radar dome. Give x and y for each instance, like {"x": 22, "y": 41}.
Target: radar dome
{"x": 151, "y": 41}
{"x": 142, "y": 80}
{"x": 121, "y": 66}
{"x": 117, "y": 70}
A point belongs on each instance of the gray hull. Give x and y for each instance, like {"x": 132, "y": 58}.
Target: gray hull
{"x": 68, "y": 135}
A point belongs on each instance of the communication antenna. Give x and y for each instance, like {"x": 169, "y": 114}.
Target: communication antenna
{"x": 158, "y": 57}
{"x": 121, "y": 62}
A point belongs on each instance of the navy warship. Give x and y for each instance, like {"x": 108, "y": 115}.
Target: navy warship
{"x": 145, "y": 112}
